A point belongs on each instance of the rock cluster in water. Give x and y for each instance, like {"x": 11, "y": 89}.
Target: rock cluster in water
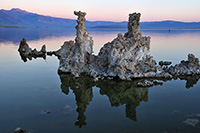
{"x": 191, "y": 122}
{"x": 186, "y": 68}
{"x": 126, "y": 57}
{"x": 26, "y": 52}
{"x": 20, "y": 130}
{"x": 148, "y": 83}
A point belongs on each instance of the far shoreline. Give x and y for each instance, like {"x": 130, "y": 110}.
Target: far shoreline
{"x": 11, "y": 27}
{"x": 109, "y": 27}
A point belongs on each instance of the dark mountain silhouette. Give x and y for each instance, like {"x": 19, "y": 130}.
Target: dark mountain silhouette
{"x": 22, "y": 18}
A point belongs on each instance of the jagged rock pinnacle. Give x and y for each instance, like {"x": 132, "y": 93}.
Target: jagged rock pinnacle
{"x": 125, "y": 57}
{"x": 133, "y": 25}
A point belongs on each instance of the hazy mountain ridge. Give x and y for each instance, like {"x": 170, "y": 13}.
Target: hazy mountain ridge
{"x": 171, "y": 24}
{"x": 28, "y": 19}
{"x": 18, "y": 17}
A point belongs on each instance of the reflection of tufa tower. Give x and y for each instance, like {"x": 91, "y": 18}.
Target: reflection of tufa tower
{"x": 122, "y": 92}
{"x": 83, "y": 97}
{"x": 82, "y": 89}
{"x": 118, "y": 92}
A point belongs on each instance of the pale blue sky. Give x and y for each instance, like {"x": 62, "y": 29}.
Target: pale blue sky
{"x": 112, "y": 10}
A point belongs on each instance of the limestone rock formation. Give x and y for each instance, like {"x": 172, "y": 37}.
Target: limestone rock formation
{"x": 64, "y": 50}
{"x": 134, "y": 26}
{"x": 165, "y": 63}
{"x": 186, "y": 68}
{"x": 24, "y": 47}
{"x": 126, "y": 57}
{"x": 26, "y": 52}
{"x": 75, "y": 57}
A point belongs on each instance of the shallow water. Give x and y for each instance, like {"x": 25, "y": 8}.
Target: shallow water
{"x": 27, "y": 89}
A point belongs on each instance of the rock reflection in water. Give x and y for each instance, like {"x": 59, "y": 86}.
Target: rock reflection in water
{"x": 123, "y": 92}
{"x": 118, "y": 92}
{"x": 82, "y": 89}
{"x": 190, "y": 80}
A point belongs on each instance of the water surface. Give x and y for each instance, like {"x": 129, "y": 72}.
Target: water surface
{"x": 80, "y": 105}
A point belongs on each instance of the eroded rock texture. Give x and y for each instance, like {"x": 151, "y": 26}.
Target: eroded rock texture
{"x": 75, "y": 57}
{"x": 133, "y": 26}
{"x": 24, "y": 47}
{"x": 126, "y": 57}
{"x": 186, "y": 68}
{"x": 27, "y": 53}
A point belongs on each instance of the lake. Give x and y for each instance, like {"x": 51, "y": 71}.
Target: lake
{"x": 29, "y": 88}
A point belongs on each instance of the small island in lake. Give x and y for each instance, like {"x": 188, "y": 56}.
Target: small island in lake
{"x": 127, "y": 57}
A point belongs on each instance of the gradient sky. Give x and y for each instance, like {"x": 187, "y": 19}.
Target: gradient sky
{"x": 112, "y": 10}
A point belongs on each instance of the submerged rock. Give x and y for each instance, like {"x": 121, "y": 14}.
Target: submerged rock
{"x": 45, "y": 112}
{"x": 68, "y": 109}
{"x": 148, "y": 83}
{"x": 126, "y": 57}
{"x": 26, "y": 52}
{"x": 197, "y": 115}
{"x": 191, "y": 122}
{"x": 20, "y": 130}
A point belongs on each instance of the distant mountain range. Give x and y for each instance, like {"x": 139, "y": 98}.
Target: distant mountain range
{"x": 21, "y": 18}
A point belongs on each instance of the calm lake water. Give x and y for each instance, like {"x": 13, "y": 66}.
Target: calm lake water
{"x": 79, "y": 105}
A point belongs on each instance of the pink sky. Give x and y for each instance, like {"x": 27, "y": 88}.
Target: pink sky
{"x": 112, "y": 10}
